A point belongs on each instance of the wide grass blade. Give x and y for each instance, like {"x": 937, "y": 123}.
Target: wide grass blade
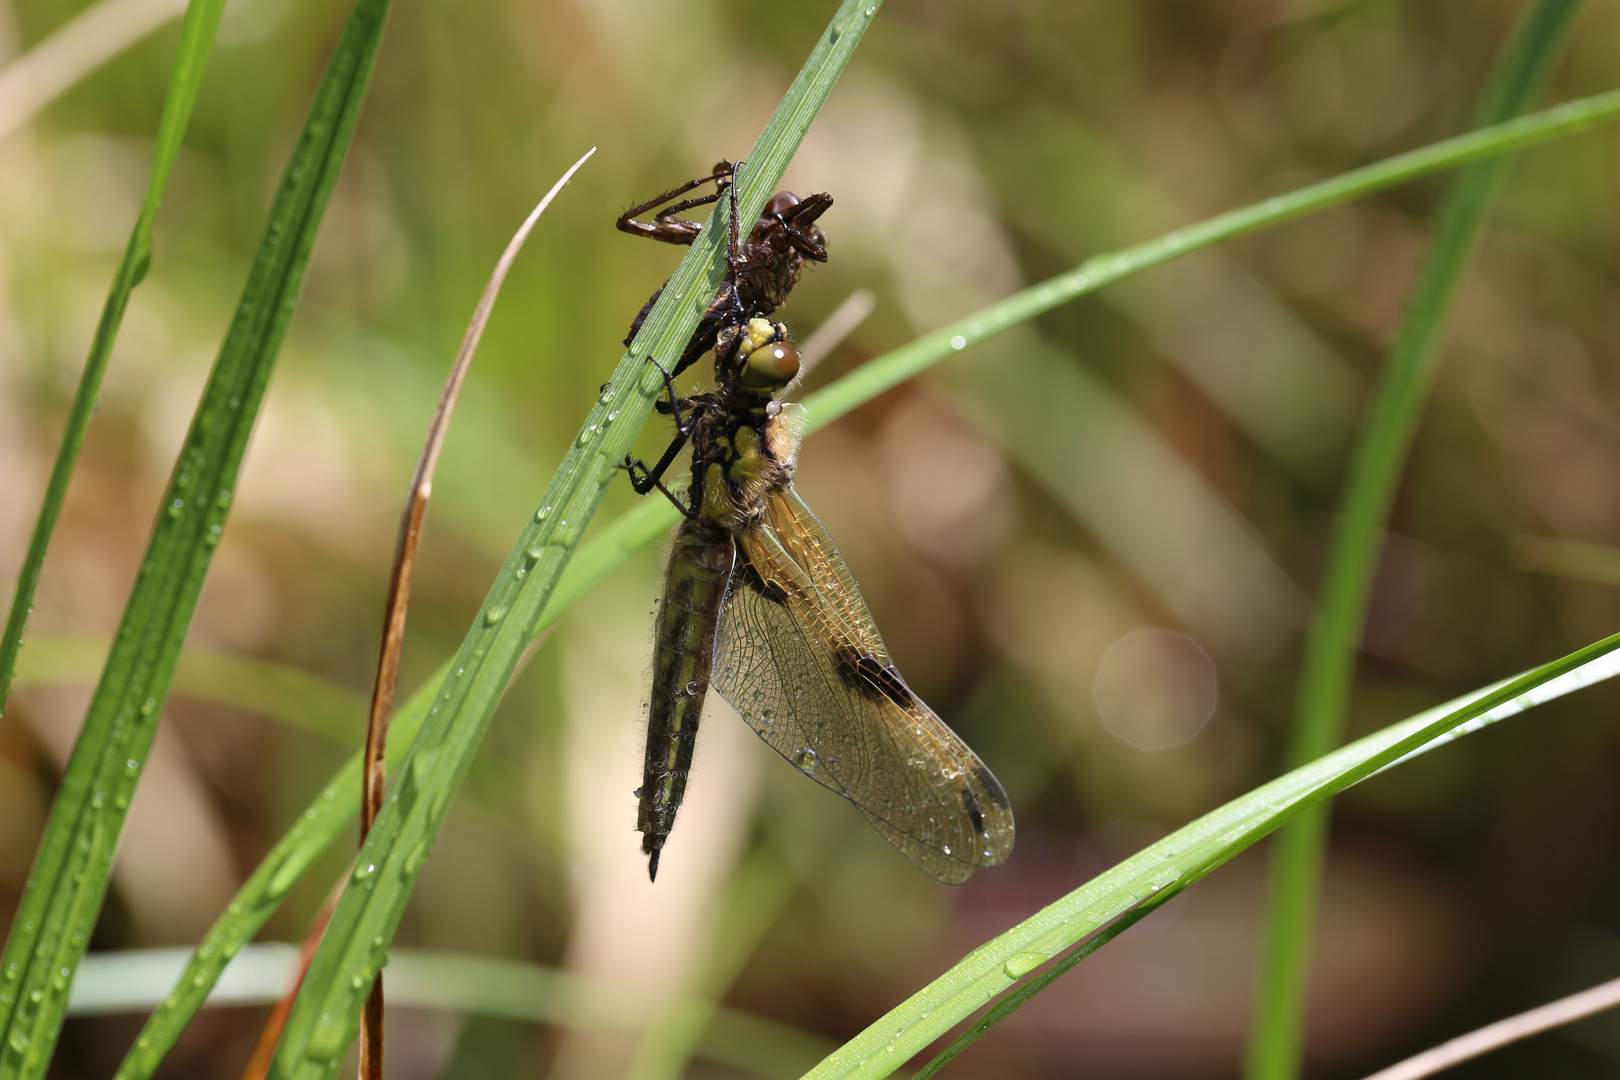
{"x": 1277, "y": 1036}
{"x": 324, "y": 1018}
{"x": 1172, "y": 864}
{"x": 196, "y": 43}
{"x": 69, "y": 881}
{"x": 329, "y": 813}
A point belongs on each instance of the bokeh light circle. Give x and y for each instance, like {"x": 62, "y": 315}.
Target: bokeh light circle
{"x": 1155, "y": 688}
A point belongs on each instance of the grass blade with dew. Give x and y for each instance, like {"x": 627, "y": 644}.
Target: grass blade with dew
{"x": 1171, "y": 865}
{"x": 70, "y": 876}
{"x": 1277, "y": 1035}
{"x": 196, "y": 44}
{"x": 329, "y": 813}
{"x": 324, "y": 1018}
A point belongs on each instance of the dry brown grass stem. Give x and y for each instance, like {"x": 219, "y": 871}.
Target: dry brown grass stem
{"x": 374, "y": 775}
{"x": 1495, "y": 1036}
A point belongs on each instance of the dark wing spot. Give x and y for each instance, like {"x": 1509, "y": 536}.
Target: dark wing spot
{"x": 871, "y": 679}
{"x": 770, "y": 590}
{"x": 971, "y": 803}
{"x": 992, "y": 787}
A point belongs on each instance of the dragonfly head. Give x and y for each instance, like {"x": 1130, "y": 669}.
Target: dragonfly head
{"x": 766, "y": 359}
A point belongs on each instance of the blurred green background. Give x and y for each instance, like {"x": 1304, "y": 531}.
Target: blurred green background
{"x": 1091, "y": 543}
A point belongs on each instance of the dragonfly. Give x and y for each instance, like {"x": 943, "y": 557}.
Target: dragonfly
{"x": 759, "y": 603}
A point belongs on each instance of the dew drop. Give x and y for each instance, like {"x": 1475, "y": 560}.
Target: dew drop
{"x": 494, "y": 615}
{"x": 806, "y": 760}
{"x": 958, "y": 342}
{"x": 413, "y": 861}
{"x": 1020, "y": 964}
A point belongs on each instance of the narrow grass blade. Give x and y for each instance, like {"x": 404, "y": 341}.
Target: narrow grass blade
{"x": 896, "y": 367}
{"x": 196, "y": 43}
{"x": 324, "y": 1018}
{"x": 330, "y": 812}
{"x": 69, "y": 881}
{"x": 1277, "y": 1038}
{"x": 1168, "y": 866}
{"x": 1026, "y": 993}
{"x": 134, "y": 981}
{"x": 277, "y": 692}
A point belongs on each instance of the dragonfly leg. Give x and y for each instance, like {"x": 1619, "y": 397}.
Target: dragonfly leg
{"x": 671, "y": 405}
{"x": 645, "y": 480}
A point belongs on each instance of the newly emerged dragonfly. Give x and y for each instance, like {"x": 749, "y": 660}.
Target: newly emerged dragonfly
{"x": 758, "y": 601}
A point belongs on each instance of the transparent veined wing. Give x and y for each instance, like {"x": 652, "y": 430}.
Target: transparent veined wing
{"x": 797, "y": 654}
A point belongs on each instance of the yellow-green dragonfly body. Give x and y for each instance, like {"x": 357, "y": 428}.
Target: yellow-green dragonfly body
{"x": 759, "y": 603}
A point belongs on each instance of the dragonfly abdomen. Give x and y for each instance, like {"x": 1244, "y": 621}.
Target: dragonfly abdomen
{"x": 700, "y": 563}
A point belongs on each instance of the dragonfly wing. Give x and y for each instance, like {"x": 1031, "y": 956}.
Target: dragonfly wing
{"x": 797, "y": 654}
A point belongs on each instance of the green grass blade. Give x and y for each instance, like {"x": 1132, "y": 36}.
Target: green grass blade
{"x": 69, "y": 880}
{"x": 1176, "y": 862}
{"x": 897, "y": 366}
{"x": 278, "y": 692}
{"x": 1276, "y": 1040}
{"x": 330, "y": 813}
{"x": 1026, "y": 993}
{"x": 323, "y": 1020}
{"x": 196, "y": 44}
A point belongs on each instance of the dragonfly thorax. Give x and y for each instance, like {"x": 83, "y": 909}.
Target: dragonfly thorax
{"x": 739, "y": 466}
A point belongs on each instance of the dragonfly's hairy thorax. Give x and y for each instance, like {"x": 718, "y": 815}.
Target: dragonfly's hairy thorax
{"x": 740, "y": 457}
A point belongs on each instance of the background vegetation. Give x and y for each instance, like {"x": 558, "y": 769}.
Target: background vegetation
{"x": 1187, "y": 484}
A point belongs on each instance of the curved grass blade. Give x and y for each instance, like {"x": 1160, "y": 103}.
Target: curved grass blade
{"x": 897, "y": 366}
{"x": 133, "y": 981}
{"x": 196, "y": 43}
{"x": 1168, "y": 866}
{"x": 277, "y": 692}
{"x": 70, "y": 876}
{"x": 324, "y": 1018}
{"x": 1277, "y": 1036}
{"x": 330, "y": 812}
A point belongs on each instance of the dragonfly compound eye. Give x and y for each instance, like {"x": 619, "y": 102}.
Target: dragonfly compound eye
{"x": 769, "y": 360}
